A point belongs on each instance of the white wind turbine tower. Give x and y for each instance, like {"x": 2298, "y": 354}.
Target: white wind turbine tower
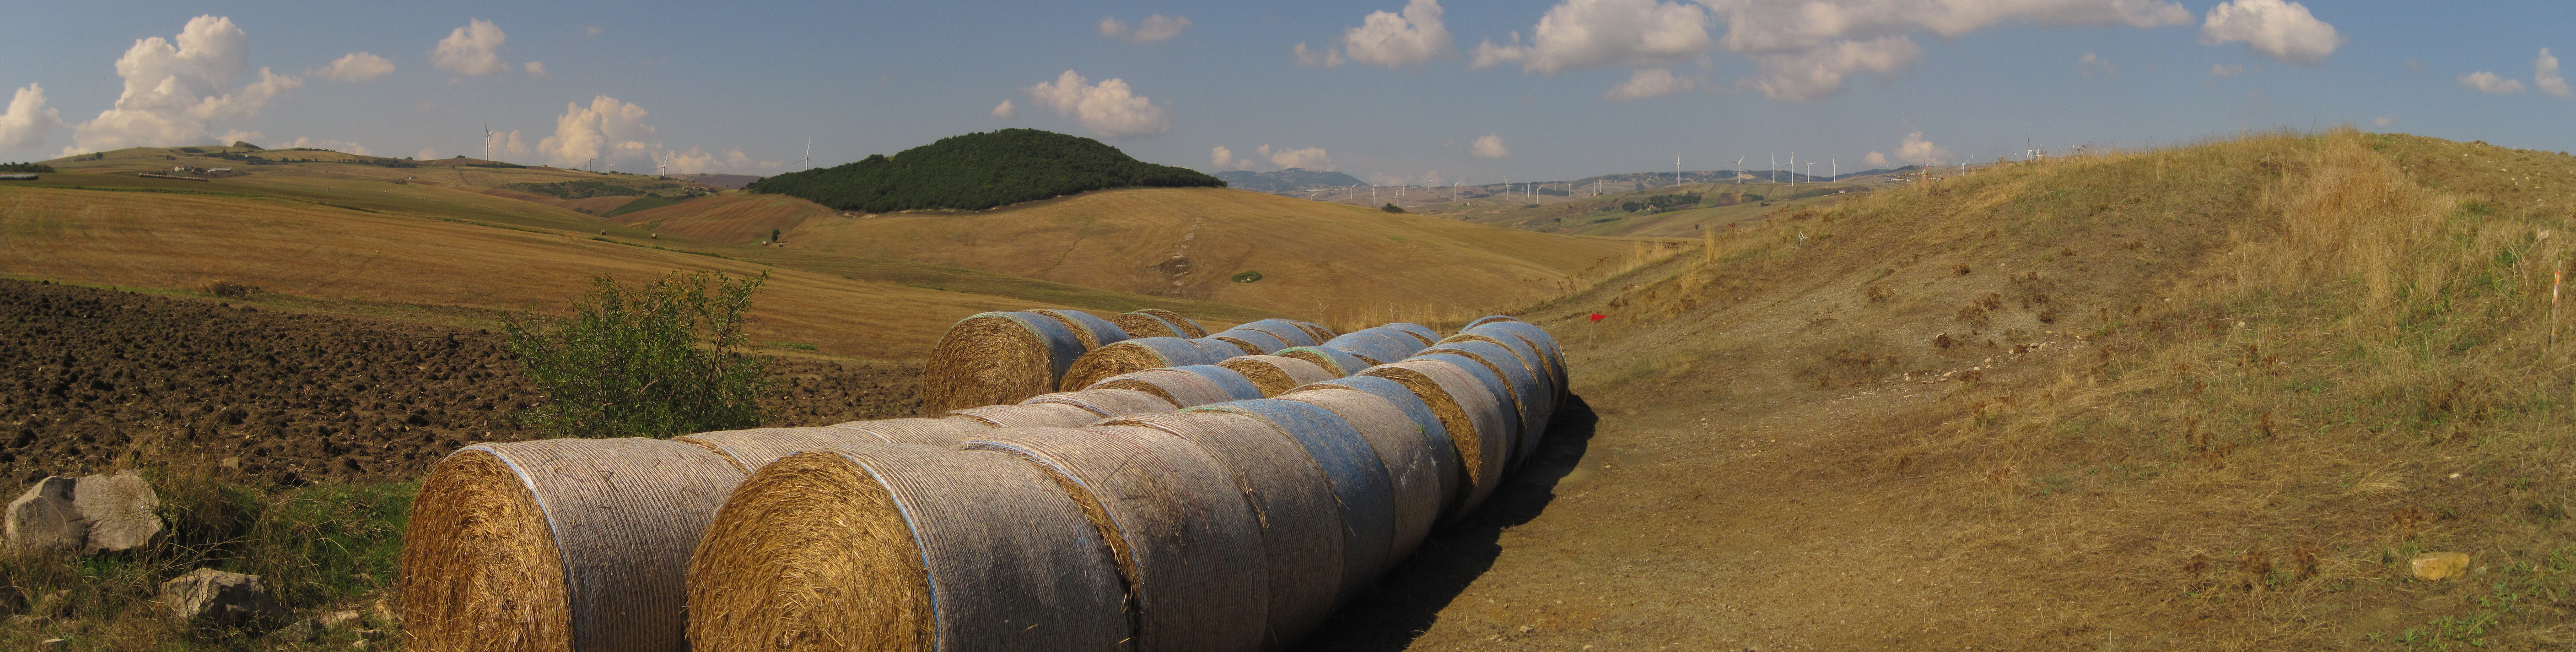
{"x": 809, "y": 155}
{"x": 487, "y": 141}
{"x": 1739, "y": 170}
{"x": 1677, "y": 169}
{"x": 1793, "y": 171}
{"x": 1834, "y": 163}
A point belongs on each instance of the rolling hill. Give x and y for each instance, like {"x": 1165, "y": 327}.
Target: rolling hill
{"x": 979, "y": 171}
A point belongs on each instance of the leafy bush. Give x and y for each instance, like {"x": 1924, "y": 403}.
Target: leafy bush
{"x": 1392, "y": 208}
{"x": 659, "y": 360}
{"x": 979, "y": 171}
{"x": 25, "y": 167}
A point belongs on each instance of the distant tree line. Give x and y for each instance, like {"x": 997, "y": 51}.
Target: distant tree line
{"x": 25, "y": 167}
{"x": 979, "y": 171}
{"x": 1661, "y": 203}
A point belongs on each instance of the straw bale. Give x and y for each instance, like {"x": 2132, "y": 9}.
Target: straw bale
{"x": 1531, "y": 358}
{"x": 1235, "y": 385}
{"x": 1418, "y": 331}
{"x": 904, "y": 547}
{"x": 757, "y": 447}
{"x": 1452, "y": 472}
{"x": 1185, "y": 540}
{"x": 1505, "y": 400}
{"x": 1293, "y": 333}
{"x": 1301, "y": 521}
{"x": 564, "y": 544}
{"x": 995, "y": 358}
{"x": 1252, "y": 341}
{"x": 1138, "y": 324}
{"x": 1412, "y": 472}
{"x": 1537, "y": 338}
{"x": 1358, "y": 478}
{"x": 931, "y": 432}
{"x": 1316, "y": 331}
{"x": 1333, "y": 361}
{"x": 1470, "y": 413}
{"x": 1092, "y": 330}
{"x": 1189, "y": 327}
{"x": 1108, "y": 402}
{"x": 1029, "y": 415}
{"x": 1377, "y": 347}
{"x": 1534, "y": 398}
{"x": 1187, "y": 385}
{"x": 1276, "y": 375}
{"x": 1488, "y": 319}
{"x": 1135, "y": 355}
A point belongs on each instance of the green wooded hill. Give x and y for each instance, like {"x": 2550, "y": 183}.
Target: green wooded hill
{"x": 979, "y": 171}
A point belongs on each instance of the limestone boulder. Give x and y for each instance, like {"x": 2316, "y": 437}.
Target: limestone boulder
{"x": 46, "y": 518}
{"x": 120, "y": 509}
{"x": 218, "y": 597}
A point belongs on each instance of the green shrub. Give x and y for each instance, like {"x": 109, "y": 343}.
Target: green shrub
{"x": 659, "y": 360}
{"x": 1392, "y": 208}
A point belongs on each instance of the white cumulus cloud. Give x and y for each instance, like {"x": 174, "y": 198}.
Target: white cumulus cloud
{"x": 469, "y": 50}
{"x": 2490, "y": 83}
{"x": 1324, "y": 58}
{"x": 507, "y": 145}
{"x": 1875, "y": 160}
{"x": 341, "y": 146}
{"x": 1594, "y": 33}
{"x": 1005, "y": 111}
{"x": 1223, "y": 159}
{"x": 537, "y": 70}
{"x": 1312, "y": 158}
{"x": 2284, "y": 31}
{"x": 1490, "y": 146}
{"x": 2092, "y": 63}
{"x": 1153, "y": 28}
{"x": 2545, "y": 75}
{"x": 2382, "y": 121}
{"x": 698, "y": 161}
{"x": 1650, "y": 82}
{"x": 175, "y": 89}
{"x": 354, "y": 67}
{"x": 608, "y": 130}
{"x": 28, "y": 124}
{"x": 426, "y": 154}
{"x": 1918, "y": 151}
{"x": 1395, "y": 40}
{"x": 2223, "y": 71}
{"x": 1110, "y": 109}
{"x": 1818, "y": 73}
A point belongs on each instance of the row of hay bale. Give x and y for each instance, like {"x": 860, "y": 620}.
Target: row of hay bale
{"x": 1217, "y": 506}
{"x": 997, "y": 358}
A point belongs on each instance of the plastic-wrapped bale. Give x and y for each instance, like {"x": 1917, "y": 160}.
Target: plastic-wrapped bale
{"x": 1503, "y": 392}
{"x": 1138, "y": 355}
{"x": 1315, "y": 331}
{"x": 1535, "y": 337}
{"x": 997, "y": 358}
{"x": 1301, "y": 521}
{"x": 1030, "y": 415}
{"x": 1412, "y": 471}
{"x": 1275, "y": 375}
{"x": 1533, "y": 397}
{"x": 1190, "y": 328}
{"x": 904, "y": 547}
{"x": 1377, "y": 347}
{"x": 1454, "y": 476}
{"x": 1420, "y": 332}
{"x": 1139, "y": 324}
{"x": 1472, "y": 415}
{"x": 1092, "y": 330}
{"x": 1251, "y": 341}
{"x": 1184, "y": 539}
{"x": 1358, "y": 480}
{"x": 1186, "y": 386}
{"x": 1294, "y": 333}
{"x": 757, "y": 447}
{"x": 558, "y": 544}
{"x": 1488, "y": 319}
{"x": 1108, "y": 402}
{"x": 1533, "y": 359}
{"x": 1333, "y": 361}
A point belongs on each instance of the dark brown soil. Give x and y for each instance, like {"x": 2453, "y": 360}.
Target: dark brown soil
{"x": 88, "y": 376}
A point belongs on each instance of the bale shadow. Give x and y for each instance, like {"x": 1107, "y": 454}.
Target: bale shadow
{"x": 1408, "y": 600}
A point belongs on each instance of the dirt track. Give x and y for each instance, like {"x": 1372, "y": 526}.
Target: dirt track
{"x": 89, "y": 375}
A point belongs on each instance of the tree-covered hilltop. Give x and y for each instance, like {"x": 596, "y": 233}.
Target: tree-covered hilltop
{"x": 978, "y": 171}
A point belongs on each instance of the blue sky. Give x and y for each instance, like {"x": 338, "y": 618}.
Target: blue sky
{"x": 1384, "y": 90}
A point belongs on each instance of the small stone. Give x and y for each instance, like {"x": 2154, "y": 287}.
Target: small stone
{"x": 45, "y": 518}
{"x": 218, "y": 596}
{"x": 53, "y": 644}
{"x": 371, "y": 634}
{"x": 336, "y": 618}
{"x": 233, "y": 463}
{"x": 2435, "y": 566}
{"x": 385, "y": 613}
{"x": 357, "y": 645}
{"x": 120, "y": 510}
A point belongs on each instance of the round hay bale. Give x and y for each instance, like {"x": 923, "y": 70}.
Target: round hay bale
{"x": 904, "y": 547}
{"x": 757, "y": 447}
{"x": 1185, "y": 541}
{"x": 1412, "y": 471}
{"x": 1138, "y": 324}
{"x": 558, "y": 544}
{"x": 1187, "y": 385}
{"x": 1358, "y": 479}
{"x": 1376, "y": 347}
{"x": 1536, "y": 338}
{"x": 1301, "y": 521}
{"x": 1334, "y": 361}
{"x": 1293, "y": 333}
{"x": 1189, "y": 327}
{"x": 1418, "y": 331}
{"x": 1093, "y": 331}
{"x": 929, "y": 432}
{"x": 997, "y": 358}
{"x": 1470, "y": 413}
{"x": 1315, "y": 331}
{"x": 1488, "y": 319}
{"x": 1236, "y": 386}
{"x": 1133, "y": 356}
{"x": 1534, "y": 398}
{"x": 1505, "y": 398}
{"x": 1532, "y": 359}
{"x": 1435, "y": 436}
{"x": 1276, "y": 375}
{"x": 1029, "y": 415}
{"x": 1251, "y": 341}
{"x": 1108, "y": 402}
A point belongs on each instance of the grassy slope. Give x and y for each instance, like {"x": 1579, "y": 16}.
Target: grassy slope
{"x": 2236, "y": 386}
{"x": 734, "y": 217}
{"x": 1315, "y": 258}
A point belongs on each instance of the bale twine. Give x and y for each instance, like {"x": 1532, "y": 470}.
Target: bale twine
{"x": 1418, "y": 331}
{"x": 1412, "y": 472}
{"x": 1471, "y": 414}
{"x": 1453, "y": 475}
{"x": 1189, "y": 327}
{"x": 995, "y": 358}
{"x": 1108, "y": 402}
{"x": 1276, "y": 375}
{"x": 1187, "y": 385}
{"x": 1093, "y": 331}
{"x": 558, "y": 544}
{"x": 1138, "y": 324}
{"x": 1358, "y": 481}
{"x": 1252, "y": 341}
{"x": 1334, "y": 361}
{"x": 1292, "y": 332}
{"x": 1375, "y": 347}
{"x": 903, "y": 547}
{"x": 1534, "y": 398}
{"x": 1133, "y": 356}
{"x": 1029, "y": 415}
{"x": 1184, "y": 540}
{"x": 1488, "y": 319}
{"x": 1315, "y": 331}
{"x": 1505, "y": 400}
{"x": 1301, "y": 521}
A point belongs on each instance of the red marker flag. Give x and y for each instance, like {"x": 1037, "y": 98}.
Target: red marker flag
{"x": 1596, "y": 316}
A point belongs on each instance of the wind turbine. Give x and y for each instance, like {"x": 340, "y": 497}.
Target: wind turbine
{"x": 1836, "y": 166}
{"x": 1793, "y": 170}
{"x": 1677, "y": 169}
{"x": 1774, "y": 174}
{"x": 487, "y": 141}
{"x": 809, "y": 155}
{"x": 1739, "y": 170}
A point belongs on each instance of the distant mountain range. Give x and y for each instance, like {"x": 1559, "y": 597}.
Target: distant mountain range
{"x": 1288, "y": 179}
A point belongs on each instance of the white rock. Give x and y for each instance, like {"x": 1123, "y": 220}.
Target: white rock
{"x": 45, "y": 518}
{"x": 217, "y": 596}
{"x": 120, "y": 510}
